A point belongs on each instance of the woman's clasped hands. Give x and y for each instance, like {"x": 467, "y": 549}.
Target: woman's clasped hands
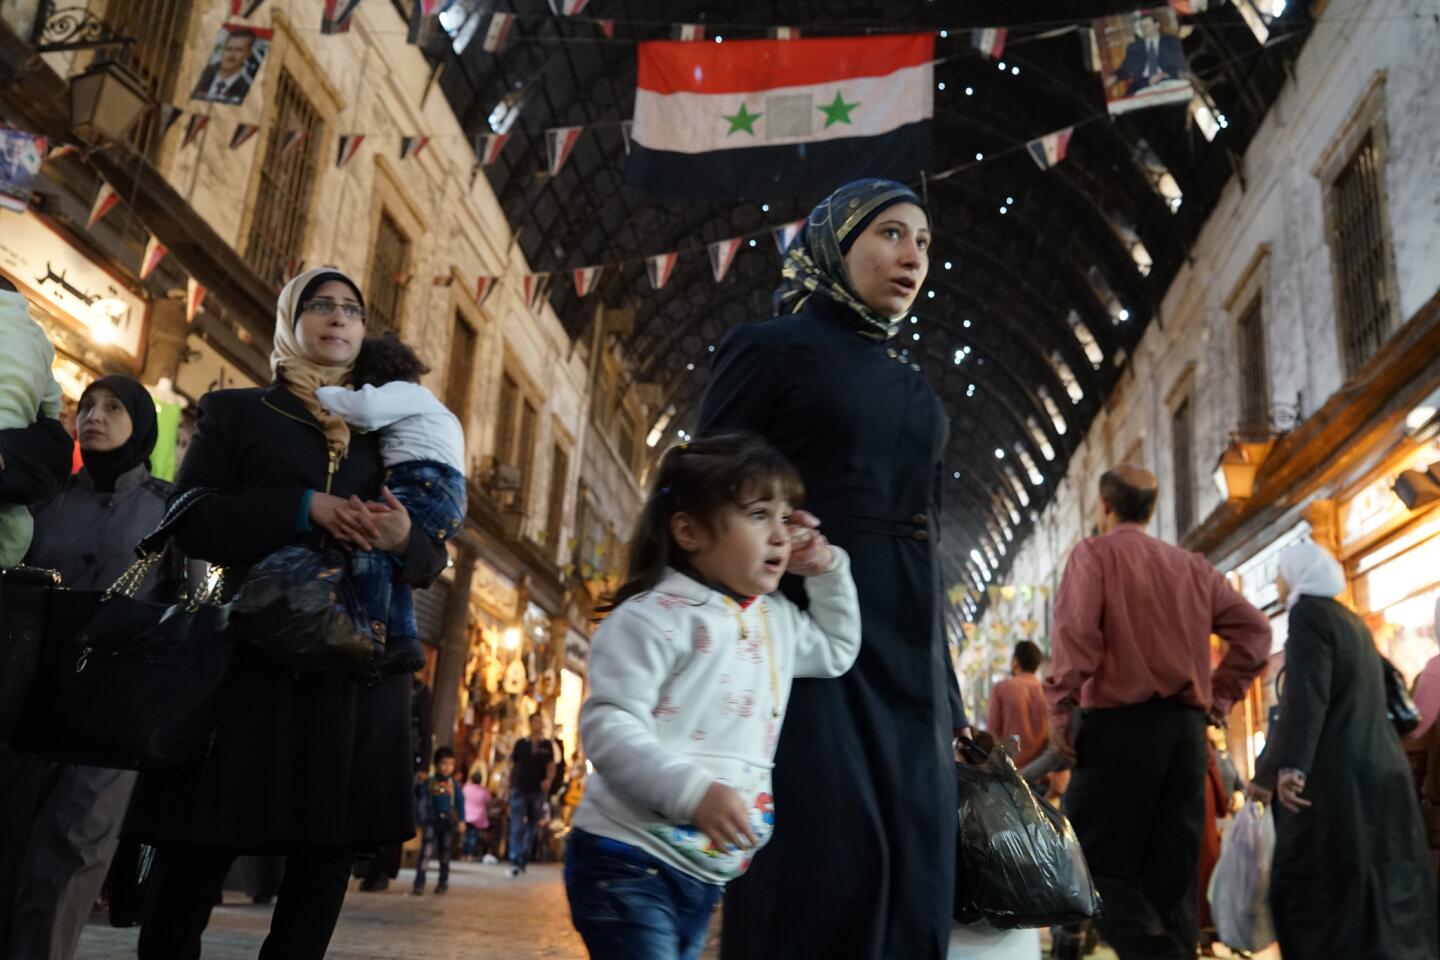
{"x": 367, "y": 525}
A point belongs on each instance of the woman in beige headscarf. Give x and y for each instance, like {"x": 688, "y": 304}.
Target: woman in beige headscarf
{"x": 316, "y": 766}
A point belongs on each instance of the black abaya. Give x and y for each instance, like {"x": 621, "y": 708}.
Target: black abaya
{"x": 860, "y": 863}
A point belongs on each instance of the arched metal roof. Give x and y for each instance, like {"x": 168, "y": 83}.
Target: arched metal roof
{"x": 1009, "y": 286}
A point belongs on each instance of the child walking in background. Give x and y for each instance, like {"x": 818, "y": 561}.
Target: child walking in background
{"x": 423, "y": 449}
{"x": 440, "y": 808}
{"x": 689, "y": 678}
{"x": 27, "y": 389}
{"x": 477, "y": 815}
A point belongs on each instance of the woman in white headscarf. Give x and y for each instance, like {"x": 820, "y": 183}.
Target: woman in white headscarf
{"x": 313, "y": 766}
{"x": 1350, "y": 877}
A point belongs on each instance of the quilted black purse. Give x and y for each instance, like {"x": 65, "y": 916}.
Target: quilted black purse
{"x": 125, "y": 683}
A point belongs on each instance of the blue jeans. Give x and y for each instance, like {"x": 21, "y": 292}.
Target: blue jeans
{"x": 526, "y": 809}
{"x": 436, "y": 840}
{"x": 627, "y": 905}
{"x": 434, "y": 495}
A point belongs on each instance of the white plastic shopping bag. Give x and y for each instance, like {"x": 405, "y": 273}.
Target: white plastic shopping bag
{"x": 1240, "y": 886}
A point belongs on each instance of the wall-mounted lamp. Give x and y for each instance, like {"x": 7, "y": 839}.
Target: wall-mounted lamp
{"x": 105, "y": 102}
{"x": 1239, "y": 463}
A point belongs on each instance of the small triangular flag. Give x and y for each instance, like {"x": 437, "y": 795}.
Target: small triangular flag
{"x": 62, "y": 150}
{"x": 535, "y": 284}
{"x": 559, "y": 142}
{"x": 607, "y": 27}
{"x": 193, "y": 126}
{"x": 291, "y": 140}
{"x": 991, "y": 41}
{"x": 489, "y": 147}
{"x": 586, "y": 279}
{"x": 293, "y": 268}
{"x": 165, "y": 117}
{"x": 243, "y": 132}
{"x": 496, "y": 31}
{"x": 442, "y": 280}
{"x": 690, "y": 31}
{"x": 785, "y": 235}
{"x": 785, "y": 33}
{"x": 659, "y": 268}
{"x": 349, "y": 145}
{"x": 568, "y": 8}
{"x": 194, "y": 297}
{"x": 411, "y": 146}
{"x": 1050, "y": 149}
{"x": 105, "y": 200}
{"x": 484, "y": 286}
{"x": 627, "y": 127}
{"x": 338, "y": 17}
{"x": 244, "y": 8}
{"x": 433, "y": 8}
{"x": 722, "y": 254}
{"x": 1090, "y": 49}
{"x": 154, "y": 253}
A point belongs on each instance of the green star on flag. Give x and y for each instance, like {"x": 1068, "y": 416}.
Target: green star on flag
{"x": 838, "y": 111}
{"x": 743, "y": 120}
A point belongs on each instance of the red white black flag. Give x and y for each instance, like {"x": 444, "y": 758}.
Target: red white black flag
{"x": 243, "y": 132}
{"x": 411, "y": 146}
{"x": 496, "y": 31}
{"x": 1050, "y": 149}
{"x": 586, "y": 278}
{"x": 690, "y": 31}
{"x": 488, "y": 147}
{"x": 607, "y": 27}
{"x": 722, "y": 254}
{"x": 991, "y": 41}
{"x": 534, "y": 287}
{"x": 154, "y": 253}
{"x": 105, "y": 201}
{"x": 291, "y": 140}
{"x": 165, "y": 117}
{"x": 194, "y": 297}
{"x": 559, "y": 142}
{"x": 785, "y": 235}
{"x": 568, "y": 8}
{"x": 193, "y": 126}
{"x": 348, "y": 146}
{"x": 659, "y": 268}
{"x": 484, "y": 286}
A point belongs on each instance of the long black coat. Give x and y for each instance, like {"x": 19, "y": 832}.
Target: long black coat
{"x": 1350, "y": 877}
{"x": 861, "y": 863}
{"x": 315, "y": 760}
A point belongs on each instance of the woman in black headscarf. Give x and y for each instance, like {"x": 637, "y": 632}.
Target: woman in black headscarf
{"x": 63, "y": 820}
{"x": 861, "y": 864}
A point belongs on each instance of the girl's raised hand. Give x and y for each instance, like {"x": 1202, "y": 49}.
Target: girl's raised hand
{"x": 810, "y": 553}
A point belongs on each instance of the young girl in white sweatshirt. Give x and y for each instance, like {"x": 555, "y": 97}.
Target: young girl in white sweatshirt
{"x": 689, "y": 678}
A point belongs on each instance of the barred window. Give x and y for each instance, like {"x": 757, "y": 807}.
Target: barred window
{"x": 559, "y": 473}
{"x": 158, "y": 28}
{"x": 461, "y": 374}
{"x": 505, "y": 418}
{"x": 525, "y": 455}
{"x": 287, "y": 181}
{"x": 625, "y": 439}
{"x": 389, "y": 273}
{"x": 1357, "y": 244}
{"x": 1182, "y": 442}
{"x": 1254, "y": 370}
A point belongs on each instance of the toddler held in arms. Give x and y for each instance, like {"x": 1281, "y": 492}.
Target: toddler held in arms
{"x": 690, "y": 675}
{"x": 27, "y": 388}
{"x": 423, "y": 448}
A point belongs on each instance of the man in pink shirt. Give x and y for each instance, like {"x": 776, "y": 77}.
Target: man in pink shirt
{"x": 1017, "y": 705}
{"x": 1133, "y": 619}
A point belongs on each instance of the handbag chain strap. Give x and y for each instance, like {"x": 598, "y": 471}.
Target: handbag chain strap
{"x": 151, "y": 549}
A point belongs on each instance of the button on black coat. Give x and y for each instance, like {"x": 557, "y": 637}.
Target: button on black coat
{"x": 861, "y": 864}
{"x": 314, "y": 760}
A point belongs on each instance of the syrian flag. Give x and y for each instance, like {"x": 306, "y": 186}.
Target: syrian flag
{"x": 785, "y": 235}
{"x": 62, "y": 150}
{"x": 194, "y": 297}
{"x": 489, "y": 146}
{"x": 243, "y": 132}
{"x": 785, "y": 33}
{"x": 991, "y": 41}
{"x": 484, "y": 286}
{"x": 154, "y": 253}
{"x": 1188, "y": 8}
{"x": 722, "y": 254}
{"x": 411, "y": 146}
{"x": 497, "y": 30}
{"x": 607, "y": 27}
{"x": 433, "y": 8}
{"x": 347, "y": 148}
{"x": 659, "y": 268}
{"x": 337, "y": 16}
{"x": 535, "y": 284}
{"x": 293, "y": 268}
{"x": 760, "y": 119}
{"x": 105, "y": 201}
{"x": 688, "y": 32}
{"x": 193, "y": 126}
{"x": 244, "y": 8}
{"x": 568, "y": 8}
{"x": 585, "y": 279}
{"x": 291, "y": 140}
{"x": 559, "y": 142}
{"x": 165, "y": 117}
{"x": 1050, "y": 149}
{"x": 444, "y": 280}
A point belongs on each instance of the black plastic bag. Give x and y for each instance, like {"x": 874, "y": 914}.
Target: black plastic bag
{"x": 1018, "y": 862}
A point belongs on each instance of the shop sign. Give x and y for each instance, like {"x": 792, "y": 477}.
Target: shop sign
{"x": 1257, "y": 575}
{"x": 204, "y": 370}
{"x": 1376, "y": 506}
{"x": 494, "y": 590}
{"x": 1411, "y": 572}
{"x": 49, "y": 268}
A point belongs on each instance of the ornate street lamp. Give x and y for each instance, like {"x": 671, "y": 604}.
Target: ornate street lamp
{"x": 105, "y": 102}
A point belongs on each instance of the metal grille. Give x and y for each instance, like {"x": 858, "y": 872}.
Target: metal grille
{"x": 525, "y": 456}
{"x": 388, "y": 276}
{"x": 287, "y": 180}
{"x": 625, "y": 439}
{"x": 158, "y": 28}
{"x": 505, "y": 421}
{"x": 559, "y": 473}
{"x": 462, "y": 367}
{"x": 1357, "y": 242}
{"x": 1254, "y": 370}
{"x": 1182, "y": 440}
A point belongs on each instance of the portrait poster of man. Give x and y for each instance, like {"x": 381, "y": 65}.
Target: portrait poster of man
{"x": 21, "y": 154}
{"x": 234, "y": 62}
{"x": 1142, "y": 60}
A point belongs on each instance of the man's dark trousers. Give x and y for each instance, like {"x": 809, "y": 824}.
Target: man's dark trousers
{"x": 1137, "y": 802}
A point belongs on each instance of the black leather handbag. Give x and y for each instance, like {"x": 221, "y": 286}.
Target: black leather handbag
{"x": 23, "y": 592}
{"x": 122, "y": 682}
{"x": 1399, "y": 707}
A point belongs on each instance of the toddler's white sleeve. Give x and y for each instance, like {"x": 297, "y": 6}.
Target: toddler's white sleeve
{"x": 370, "y": 408}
